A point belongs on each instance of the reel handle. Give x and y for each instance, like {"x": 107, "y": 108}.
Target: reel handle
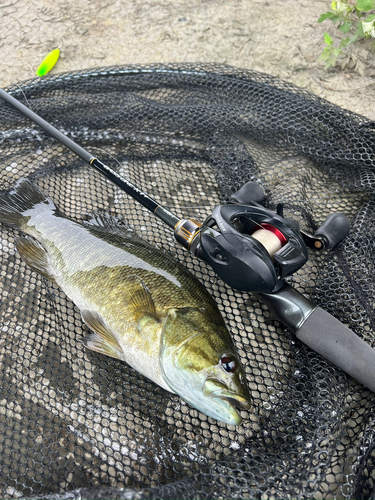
{"x": 335, "y": 228}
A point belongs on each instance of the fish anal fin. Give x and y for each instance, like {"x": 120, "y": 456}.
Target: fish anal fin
{"x": 35, "y": 257}
{"x": 141, "y": 301}
{"x": 102, "y": 340}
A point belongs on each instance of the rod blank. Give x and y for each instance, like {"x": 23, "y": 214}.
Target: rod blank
{"x": 165, "y": 215}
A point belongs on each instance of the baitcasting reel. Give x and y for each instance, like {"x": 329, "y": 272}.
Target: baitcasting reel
{"x": 253, "y": 248}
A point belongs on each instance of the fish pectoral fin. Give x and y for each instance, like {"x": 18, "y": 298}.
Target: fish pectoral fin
{"x": 141, "y": 302}
{"x": 148, "y": 326}
{"x": 35, "y": 257}
{"x": 102, "y": 340}
{"x": 95, "y": 343}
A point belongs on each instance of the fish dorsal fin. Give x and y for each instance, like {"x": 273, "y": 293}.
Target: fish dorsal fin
{"x": 102, "y": 340}
{"x": 141, "y": 301}
{"x": 35, "y": 257}
{"x": 106, "y": 223}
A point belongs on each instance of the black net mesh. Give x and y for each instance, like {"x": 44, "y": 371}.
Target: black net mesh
{"x": 76, "y": 424}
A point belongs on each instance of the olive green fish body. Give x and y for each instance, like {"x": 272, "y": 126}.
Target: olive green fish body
{"x": 142, "y": 306}
{"x": 102, "y": 272}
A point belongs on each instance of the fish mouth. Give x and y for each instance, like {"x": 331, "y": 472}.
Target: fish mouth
{"x": 232, "y": 401}
{"x": 236, "y": 400}
{"x": 231, "y": 405}
{"x": 214, "y": 389}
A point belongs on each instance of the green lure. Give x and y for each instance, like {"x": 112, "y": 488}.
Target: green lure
{"x": 48, "y": 62}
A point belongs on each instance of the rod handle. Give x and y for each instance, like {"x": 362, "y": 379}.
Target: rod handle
{"x": 338, "y": 344}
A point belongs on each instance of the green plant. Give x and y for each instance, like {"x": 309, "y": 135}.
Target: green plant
{"x": 353, "y": 18}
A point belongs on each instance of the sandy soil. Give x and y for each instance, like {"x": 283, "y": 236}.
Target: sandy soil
{"x": 278, "y": 37}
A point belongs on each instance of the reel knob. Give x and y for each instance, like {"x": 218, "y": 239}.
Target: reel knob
{"x": 335, "y": 228}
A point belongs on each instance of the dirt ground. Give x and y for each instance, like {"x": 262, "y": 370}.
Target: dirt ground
{"x": 278, "y": 37}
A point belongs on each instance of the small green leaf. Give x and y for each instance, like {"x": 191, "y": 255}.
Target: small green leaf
{"x": 365, "y": 5}
{"x": 359, "y": 32}
{"x": 327, "y": 39}
{"x": 326, "y": 54}
{"x": 344, "y": 43}
{"x": 346, "y": 25}
{"x": 328, "y": 15}
{"x": 325, "y": 16}
{"x": 369, "y": 18}
{"x": 332, "y": 61}
{"x": 348, "y": 41}
{"x": 353, "y": 38}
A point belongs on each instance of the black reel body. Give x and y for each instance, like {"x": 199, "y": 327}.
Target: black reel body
{"x": 253, "y": 249}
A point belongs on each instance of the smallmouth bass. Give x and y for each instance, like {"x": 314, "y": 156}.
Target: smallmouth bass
{"x": 142, "y": 306}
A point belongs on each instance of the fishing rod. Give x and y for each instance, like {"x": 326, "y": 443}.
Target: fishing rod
{"x": 165, "y": 215}
{"x": 254, "y": 249}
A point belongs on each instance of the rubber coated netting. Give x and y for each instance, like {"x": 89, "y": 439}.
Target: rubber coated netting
{"x": 76, "y": 424}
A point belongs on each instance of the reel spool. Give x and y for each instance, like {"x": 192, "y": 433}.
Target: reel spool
{"x": 270, "y": 237}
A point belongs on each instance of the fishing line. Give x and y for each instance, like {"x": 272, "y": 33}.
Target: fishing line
{"x": 23, "y": 93}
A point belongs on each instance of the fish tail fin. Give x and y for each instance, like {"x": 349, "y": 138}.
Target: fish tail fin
{"x": 24, "y": 196}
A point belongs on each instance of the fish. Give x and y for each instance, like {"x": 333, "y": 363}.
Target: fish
{"x": 141, "y": 305}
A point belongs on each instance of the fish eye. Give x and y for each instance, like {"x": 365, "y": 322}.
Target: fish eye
{"x": 228, "y": 364}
